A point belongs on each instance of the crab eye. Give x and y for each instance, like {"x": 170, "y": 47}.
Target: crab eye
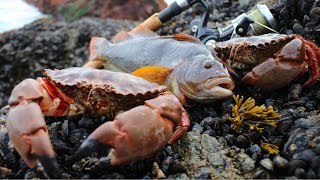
{"x": 207, "y": 64}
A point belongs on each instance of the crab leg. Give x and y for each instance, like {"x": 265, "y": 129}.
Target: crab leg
{"x": 182, "y": 128}
{"x": 313, "y": 56}
{"x": 138, "y": 132}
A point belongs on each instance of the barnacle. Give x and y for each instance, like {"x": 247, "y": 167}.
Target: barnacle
{"x": 247, "y": 116}
{"x": 270, "y": 148}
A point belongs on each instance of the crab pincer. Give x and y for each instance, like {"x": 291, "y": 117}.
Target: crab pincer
{"x": 271, "y": 61}
{"x": 27, "y": 128}
{"x": 140, "y": 131}
{"x": 149, "y": 115}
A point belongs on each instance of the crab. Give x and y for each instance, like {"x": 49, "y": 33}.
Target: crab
{"x": 145, "y": 115}
{"x": 273, "y": 60}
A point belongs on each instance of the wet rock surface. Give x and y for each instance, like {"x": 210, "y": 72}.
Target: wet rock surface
{"x": 206, "y": 154}
{"x": 210, "y": 149}
{"x": 299, "y": 17}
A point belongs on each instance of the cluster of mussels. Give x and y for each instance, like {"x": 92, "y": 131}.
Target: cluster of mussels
{"x": 66, "y": 136}
{"x": 299, "y": 17}
{"x": 292, "y": 148}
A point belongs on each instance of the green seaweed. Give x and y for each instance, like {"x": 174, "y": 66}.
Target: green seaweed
{"x": 74, "y": 11}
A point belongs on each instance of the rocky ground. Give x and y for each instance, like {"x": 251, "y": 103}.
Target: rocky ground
{"x": 211, "y": 148}
{"x": 71, "y": 10}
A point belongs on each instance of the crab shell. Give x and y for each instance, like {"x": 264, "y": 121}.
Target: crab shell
{"x": 247, "y": 52}
{"x": 270, "y": 61}
{"x": 103, "y": 92}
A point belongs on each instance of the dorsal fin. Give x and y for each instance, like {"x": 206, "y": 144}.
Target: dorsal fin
{"x": 120, "y": 36}
{"x": 96, "y": 47}
{"x": 184, "y": 37}
{"x": 142, "y": 31}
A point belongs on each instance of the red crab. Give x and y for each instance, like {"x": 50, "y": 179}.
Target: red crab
{"x": 274, "y": 60}
{"x": 146, "y": 125}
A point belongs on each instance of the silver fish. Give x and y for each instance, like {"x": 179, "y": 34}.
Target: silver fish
{"x": 196, "y": 73}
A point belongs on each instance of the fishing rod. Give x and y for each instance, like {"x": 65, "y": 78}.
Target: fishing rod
{"x": 158, "y": 20}
{"x": 260, "y": 21}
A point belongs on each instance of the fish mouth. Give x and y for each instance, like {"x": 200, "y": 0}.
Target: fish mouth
{"x": 212, "y": 89}
{"x": 218, "y": 88}
{"x": 223, "y": 82}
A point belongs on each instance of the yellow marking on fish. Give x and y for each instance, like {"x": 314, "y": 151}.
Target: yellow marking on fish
{"x": 156, "y": 74}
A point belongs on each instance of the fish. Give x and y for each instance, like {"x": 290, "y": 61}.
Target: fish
{"x": 181, "y": 62}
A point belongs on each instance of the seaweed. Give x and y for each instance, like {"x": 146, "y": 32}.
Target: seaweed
{"x": 246, "y": 116}
{"x": 270, "y": 148}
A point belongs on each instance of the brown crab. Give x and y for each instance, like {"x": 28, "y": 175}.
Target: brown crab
{"x": 274, "y": 60}
{"x": 147, "y": 124}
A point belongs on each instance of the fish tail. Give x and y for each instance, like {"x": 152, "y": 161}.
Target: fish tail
{"x": 96, "y": 48}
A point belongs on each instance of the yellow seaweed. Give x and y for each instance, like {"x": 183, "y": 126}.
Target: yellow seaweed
{"x": 270, "y": 148}
{"x": 247, "y": 116}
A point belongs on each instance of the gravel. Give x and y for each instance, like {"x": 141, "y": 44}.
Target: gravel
{"x": 211, "y": 148}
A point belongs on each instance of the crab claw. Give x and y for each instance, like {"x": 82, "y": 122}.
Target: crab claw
{"x": 138, "y": 132}
{"x": 29, "y": 135}
{"x": 277, "y": 72}
{"x": 27, "y": 128}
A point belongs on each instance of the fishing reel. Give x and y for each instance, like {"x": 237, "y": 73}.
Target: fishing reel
{"x": 260, "y": 21}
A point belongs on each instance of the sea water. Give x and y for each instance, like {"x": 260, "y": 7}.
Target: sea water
{"x": 15, "y": 14}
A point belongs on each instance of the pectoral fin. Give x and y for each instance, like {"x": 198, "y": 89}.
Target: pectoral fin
{"x": 156, "y": 74}
{"x": 111, "y": 67}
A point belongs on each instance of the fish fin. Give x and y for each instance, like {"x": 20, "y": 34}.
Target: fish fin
{"x": 97, "y": 64}
{"x": 96, "y": 48}
{"x": 184, "y": 37}
{"x": 156, "y": 74}
{"x": 124, "y": 35}
{"x": 143, "y": 30}
{"x": 111, "y": 67}
{"x": 121, "y": 36}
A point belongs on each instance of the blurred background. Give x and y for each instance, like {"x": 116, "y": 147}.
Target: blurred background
{"x": 16, "y": 13}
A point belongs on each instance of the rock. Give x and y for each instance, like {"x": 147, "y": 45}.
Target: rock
{"x": 179, "y": 176}
{"x": 307, "y": 122}
{"x": 205, "y": 154}
{"x": 157, "y": 172}
{"x": 247, "y": 165}
{"x": 215, "y": 159}
{"x": 71, "y": 10}
{"x": 78, "y": 136}
{"x": 4, "y": 170}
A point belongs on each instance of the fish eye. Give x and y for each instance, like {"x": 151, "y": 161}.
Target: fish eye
{"x": 207, "y": 64}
